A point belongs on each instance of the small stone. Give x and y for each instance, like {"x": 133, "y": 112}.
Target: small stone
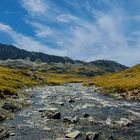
{"x": 74, "y": 134}
{"x": 60, "y": 103}
{"x": 53, "y": 109}
{"x": 71, "y": 100}
{"x": 91, "y": 119}
{"x": 108, "y": 121}
{"x": 67, "y": 119}
{"x": 12, "y": 134}
{"x": 86, "y": 115}
{"x": 92, "y": 135}
{"x": 46, "y": 128}
{"x": 2, "y": 117}
{"x": 75, "y": 119}
{"x": 124, "y": 122}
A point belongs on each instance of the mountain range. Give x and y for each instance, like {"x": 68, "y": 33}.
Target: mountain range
{"x": 14, "y": 57}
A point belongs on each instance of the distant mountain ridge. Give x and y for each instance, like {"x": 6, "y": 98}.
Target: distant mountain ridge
{"x": 12, "y": 52}
{"x": 67, "y": 64}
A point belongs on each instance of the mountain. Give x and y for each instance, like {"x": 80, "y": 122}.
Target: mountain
{"x": 40, "y": 61}
{"x": 108, "y": 65}
{"x": 11, "y": 52}
{"x": 124, "y": 83}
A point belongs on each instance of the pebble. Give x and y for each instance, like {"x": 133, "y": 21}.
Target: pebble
{"x": 73, "y": 134}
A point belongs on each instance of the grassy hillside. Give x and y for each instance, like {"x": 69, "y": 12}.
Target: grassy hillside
{"x": 12, "y": 79}
{"x": 126, "y": 82}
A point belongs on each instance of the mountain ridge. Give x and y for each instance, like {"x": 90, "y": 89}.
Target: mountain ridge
{"x": 59, "y": 63}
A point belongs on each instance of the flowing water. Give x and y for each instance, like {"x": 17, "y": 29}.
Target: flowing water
{"x": 104, "y": 113}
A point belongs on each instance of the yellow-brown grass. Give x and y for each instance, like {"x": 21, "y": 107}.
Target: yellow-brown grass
{"x": 11, "y": 79}
{"x": 119, "y": 82}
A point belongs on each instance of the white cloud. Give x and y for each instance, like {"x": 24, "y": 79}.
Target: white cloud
{"x": 35, "y": 7}
{"x": 5, "y": 28}
{"x": 41, "y": 30}
{"x": 103, "y": 37}
{"x": 66, "y": 18}
{"x": 28, "y": 43}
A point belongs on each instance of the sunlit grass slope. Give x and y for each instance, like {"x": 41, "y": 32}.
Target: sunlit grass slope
{"x": 12, "y": 79}
{"x": 123, "y": 81}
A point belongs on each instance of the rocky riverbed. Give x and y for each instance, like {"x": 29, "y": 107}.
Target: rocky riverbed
{"x": 73, "y": 112}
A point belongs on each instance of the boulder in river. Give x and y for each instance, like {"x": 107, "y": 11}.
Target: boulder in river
{"x": 92, "y": 135}
{"x": 73, "y": 134}
{"x": 124, "y": 122}
{"x": 10, "y": 107}
{"x": 52, "y": 113}
{"x": 71, "y": 100}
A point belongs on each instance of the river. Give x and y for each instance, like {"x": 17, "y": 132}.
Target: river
{"x": 81, "y": 109}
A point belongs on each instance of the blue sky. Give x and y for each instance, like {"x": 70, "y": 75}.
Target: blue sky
{"x": 81, "y": 29}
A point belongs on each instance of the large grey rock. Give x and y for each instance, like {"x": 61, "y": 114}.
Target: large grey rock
{"x": 52, "y": 113}
{"x": 10, "y": 107}
{"x": 73, "y": 134}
